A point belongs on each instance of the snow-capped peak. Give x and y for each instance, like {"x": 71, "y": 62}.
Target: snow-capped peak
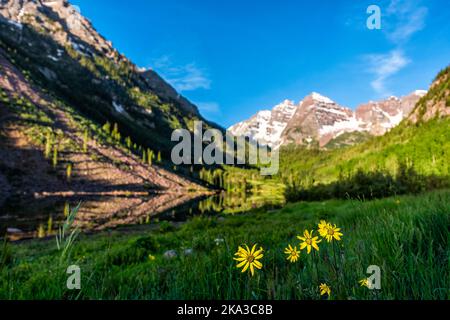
{"x": 323, "y": 119}
{"x": 420, "y": 93}
{"x": 320, "y": 98}
{"x": 286, "y": 104}
{"x": 265, "y": 114}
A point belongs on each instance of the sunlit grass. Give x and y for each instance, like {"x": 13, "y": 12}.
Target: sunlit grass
{"x": 407, "y": 237}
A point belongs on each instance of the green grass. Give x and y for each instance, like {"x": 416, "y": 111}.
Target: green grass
{"x": 406, "y": 236}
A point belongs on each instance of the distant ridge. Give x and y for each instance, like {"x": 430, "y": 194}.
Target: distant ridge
{"x": 316, "y": 120}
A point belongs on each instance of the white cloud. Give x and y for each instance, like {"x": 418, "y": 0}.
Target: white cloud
{"x": 403, "y": 19}
{"x": 384, "y": 66}
{"x": 400, "y": 21}
{"x": 187, "y": 77}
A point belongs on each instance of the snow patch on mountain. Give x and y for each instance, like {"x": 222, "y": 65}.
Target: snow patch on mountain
{"x": 266, "y": 126}
{"x": 118, "y": 107}
{"x": 350, "y": 125}
{"x": 420, "y": 93}
{"x": 320, "y": 98}
{"x": 319, "y": 118}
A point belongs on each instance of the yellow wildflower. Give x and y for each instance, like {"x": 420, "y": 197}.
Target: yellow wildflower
{"x": 248, "y": 259}
{"x": 309, "y": 241}
{"x": 324, "y": 289}
{"x": 333, "y": 233}
{"x": 364, "y": 283}
{"x": 323, "y": 228}
{"x": 293, "y": 253}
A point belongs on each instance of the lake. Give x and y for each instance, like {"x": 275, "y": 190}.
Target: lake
{"x": 41, "y": 217}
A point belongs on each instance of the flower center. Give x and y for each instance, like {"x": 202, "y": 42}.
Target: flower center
{"x": 330, "y": 232}
{"x": 309, "y": 241}
{"x": 250, "y": 258}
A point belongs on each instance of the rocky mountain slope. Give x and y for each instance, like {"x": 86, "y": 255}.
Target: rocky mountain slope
{"x": 266, "y": 126}
{"x": 436, "y": 103}
{"x": 79, "y": 121}
{"x": 62, "y": 51}
{"x": 421, "y": 143}
{"x": 318, "y": 121}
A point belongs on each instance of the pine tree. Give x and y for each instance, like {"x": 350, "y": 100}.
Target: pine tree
{"x": 55, "y": 156}
{"x": 41, "y": 231}
{"x": 107, "y": 127}
{"x": 49, "y": 225}
{"x": 159, "y": 157}
{"x": 69, "y": 171}
{"x": 150, "y": 157}
{"x": 48, "y": 145}
{"x": 128, "y": 143}
{"x": 66, "y": 209}
{"x": 85, "y": 141}
{"x": 115, "y": 132}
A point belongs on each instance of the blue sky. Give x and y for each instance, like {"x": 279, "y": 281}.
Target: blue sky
{"x": 235, "y": 57}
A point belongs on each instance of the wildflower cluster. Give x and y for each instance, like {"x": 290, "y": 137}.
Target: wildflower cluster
{"x": 249, "y": 259}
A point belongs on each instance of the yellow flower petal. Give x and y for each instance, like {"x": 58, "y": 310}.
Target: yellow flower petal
{"x": 241, "y": 264}
{"x": 258, "y": 252}
{"x": 239, "y": 259}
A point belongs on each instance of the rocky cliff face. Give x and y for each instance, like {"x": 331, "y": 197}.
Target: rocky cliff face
{"x": 65, "y": 91}
{"x": 436, "y": 103}
{"x": 317, "y": 120}
{"x": 379, "y": 117}
{"x": 64, "y": 23}
{"x": 267, "y": 125}
{"x": 60, "y": 19}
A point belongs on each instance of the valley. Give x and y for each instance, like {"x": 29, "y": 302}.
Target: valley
{"x": 88, "y": 178}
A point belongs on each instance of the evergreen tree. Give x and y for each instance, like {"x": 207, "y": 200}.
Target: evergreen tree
{"x": 150, "y": 157}
{"x": 48, "y": 145}
{"x": 159, "y": 157}
{"x": 69, "y": 171}
{"x": 128, "y": 143}
{"x": 55, "y": 156}
{"x": 85, "y": 141}
{"x": 107, "y": 128}
{"x": 115, "y": 132}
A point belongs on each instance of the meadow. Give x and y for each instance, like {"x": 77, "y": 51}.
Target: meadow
{"x": 406, "y": 236}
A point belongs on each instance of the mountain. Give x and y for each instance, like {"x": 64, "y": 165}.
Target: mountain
{"x": 62, "y": 51}
{"x": 266, "y": 126}
{"x": 80, "y": 121}
{"x": 318, "y": 120}
{"x": 436, "y": 103}
{"x": 421, "y": 142}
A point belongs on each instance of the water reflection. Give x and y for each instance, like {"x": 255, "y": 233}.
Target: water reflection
{"x": 41, "y": 218}
{"x": 229, "y": 203}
